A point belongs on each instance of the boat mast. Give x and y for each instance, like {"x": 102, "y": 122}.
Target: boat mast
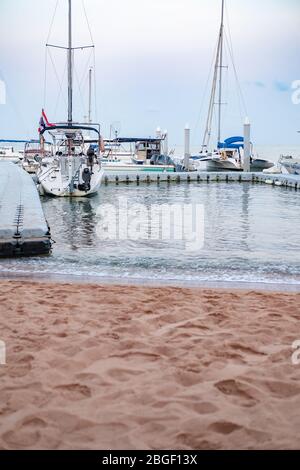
{"x": 207, "y": 133}
{"x": 218, "y": 68}
{"x": 70, "y": 68}
{"x": 221, "y": 72}
{"x": 90, "y": 96}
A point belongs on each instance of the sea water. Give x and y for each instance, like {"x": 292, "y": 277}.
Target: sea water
{"x": 251, "y": 235}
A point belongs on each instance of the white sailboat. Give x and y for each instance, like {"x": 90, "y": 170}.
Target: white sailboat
{"x": 8, "y": 153}
{"x": 74, "y": 168}
{"x": 229, "y": 154}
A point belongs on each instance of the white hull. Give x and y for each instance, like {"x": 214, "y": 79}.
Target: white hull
{"x": 231, "y": 164}
{"x": 64, "y": 179}
{"x": 292, "y": 168}
{"x": 222, "y": 165}
{"x": 118, "y": 166}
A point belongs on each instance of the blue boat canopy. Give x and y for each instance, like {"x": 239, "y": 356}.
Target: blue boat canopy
{"x": 232, "y": 143}
{"x": 14, "y": 141}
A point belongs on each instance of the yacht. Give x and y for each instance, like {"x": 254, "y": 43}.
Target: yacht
{"x": 74, "y": 167}
{"x": 9, "y": 154}
{"x": 290, "y": 164}
{"x": 228, "y": 155}
{"x": 144, "y": 154}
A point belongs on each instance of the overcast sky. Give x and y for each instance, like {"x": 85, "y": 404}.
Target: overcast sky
{"x": 153, "y": 59}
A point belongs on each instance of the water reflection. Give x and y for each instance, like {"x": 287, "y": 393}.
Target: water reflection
{"x": 251, "y": 233}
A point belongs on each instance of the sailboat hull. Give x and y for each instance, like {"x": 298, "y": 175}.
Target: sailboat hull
{"x": 257, "y": 165}
{"x": 53, "y": 182}
{"x": 220, "y": 165}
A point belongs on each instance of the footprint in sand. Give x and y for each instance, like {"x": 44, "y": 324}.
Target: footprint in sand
{"x": 74, "y": 391}
{"x": 21, "y": 366}
{"x": 280, "y": 389}
{"x": 191, "y": 441}
{"x": 123, "y": 375}
{"x": 26, "y": 433}
{"x": 237, "y": 390}
{"x": 204, "y": 408}
{"x": 224, "y": 427}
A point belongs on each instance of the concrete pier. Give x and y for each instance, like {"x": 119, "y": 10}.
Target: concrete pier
{"x": 23, "y": 227}
{"x": 292, "y": 181}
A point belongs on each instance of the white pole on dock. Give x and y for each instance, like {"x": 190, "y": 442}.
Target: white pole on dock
{"x": 247, "y": 150}
{"x": 166, "y": 144}
{"x": 187, "y": 154}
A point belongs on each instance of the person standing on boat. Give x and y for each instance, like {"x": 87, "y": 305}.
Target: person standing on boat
{"x": 91, "y": 157}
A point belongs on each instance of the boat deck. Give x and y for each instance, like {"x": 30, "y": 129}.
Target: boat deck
{"x": 23, "y": 227}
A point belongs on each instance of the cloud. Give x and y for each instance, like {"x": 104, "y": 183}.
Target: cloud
{"x": 259, "y": 84}
{"x": 282, "y": 86}
{"x": 152, "y": 110}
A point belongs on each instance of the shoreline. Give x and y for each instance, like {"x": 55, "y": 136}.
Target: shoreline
{"x": 115, "y": 281}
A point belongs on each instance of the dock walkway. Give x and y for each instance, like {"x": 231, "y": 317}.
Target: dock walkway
{"x": 110, "y": 177}
{"x": 23, "y": 227}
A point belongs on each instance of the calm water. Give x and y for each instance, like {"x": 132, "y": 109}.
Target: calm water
{"x": 252, "y": 234}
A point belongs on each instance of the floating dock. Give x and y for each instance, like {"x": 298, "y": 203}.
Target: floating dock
{"x": 292, "y": 181}
{"x": 23, "y": 227}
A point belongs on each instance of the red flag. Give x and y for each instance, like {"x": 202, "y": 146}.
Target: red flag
{"x": 49, "y": 124}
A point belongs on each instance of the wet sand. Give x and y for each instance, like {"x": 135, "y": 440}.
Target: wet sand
{"x": 131, "y": 367}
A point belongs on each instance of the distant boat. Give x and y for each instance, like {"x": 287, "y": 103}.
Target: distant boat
{"x": 229, "y": 154}
{"x": 74, "y": 168}
{"x": 8, "y": 153}
{"x": 291, "y": 164}
{"x": 33, "y": 155}
{"x": 145, "y": 154}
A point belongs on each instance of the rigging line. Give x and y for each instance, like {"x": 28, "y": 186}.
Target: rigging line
{"x": 80, "y": 92}
{"x": 85, "y": 69}
{"x": 236, "y": 78}
{"x": 87, "y": 20}
{"x": 60, "y": 90}
{"x": 56, "y": 74}
{"x": 95, "y": 86}
{"x": 205, "y": 89}
{"x": 230, "y": 48}
{"x": 53, "y": 17}
{"x": 45, "y": 77}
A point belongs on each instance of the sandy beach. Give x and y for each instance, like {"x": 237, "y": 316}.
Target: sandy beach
{"x": 133, "y": 367}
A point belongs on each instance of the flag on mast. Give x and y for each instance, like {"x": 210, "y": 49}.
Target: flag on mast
{"x": 44, "y": 123}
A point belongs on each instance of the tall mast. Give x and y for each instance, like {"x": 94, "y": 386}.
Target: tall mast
{"x": 207, "y": 133}
{"x": 70, "y": 71}
{"x": 218, "y": 69}
{"x": 221, "y": 72}
{"x": 90, "y": 95}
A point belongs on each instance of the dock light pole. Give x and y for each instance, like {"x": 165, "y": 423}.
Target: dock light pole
{"x": 187, "y": 153}
{"x": 247, "y": 150}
